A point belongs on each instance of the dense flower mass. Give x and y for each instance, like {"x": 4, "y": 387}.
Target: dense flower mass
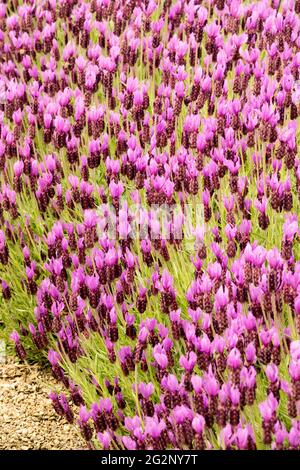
{"x": 181, "y": 331}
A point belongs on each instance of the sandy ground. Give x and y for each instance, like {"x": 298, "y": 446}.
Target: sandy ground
{"x": 27, "y": 419}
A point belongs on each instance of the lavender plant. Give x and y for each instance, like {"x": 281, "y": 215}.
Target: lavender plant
{"x": 149, "y": 240}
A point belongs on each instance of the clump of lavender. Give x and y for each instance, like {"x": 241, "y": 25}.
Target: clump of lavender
{"x": 176, "y": 333}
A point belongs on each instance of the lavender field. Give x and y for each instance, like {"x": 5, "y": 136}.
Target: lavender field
{"x": 149, "y": 205}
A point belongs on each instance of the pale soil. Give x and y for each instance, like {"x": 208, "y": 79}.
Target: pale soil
{"x": 27, "y": 418}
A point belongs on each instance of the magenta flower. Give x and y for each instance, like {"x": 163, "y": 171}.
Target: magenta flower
{"x": 146, "y": 390}
{"x": 234, "y": 359}
{"x": 161, "y": 360}
{"x": 188, "y": 363}
{"x": 129, "y": 443}
{"x": 105, "y": 439}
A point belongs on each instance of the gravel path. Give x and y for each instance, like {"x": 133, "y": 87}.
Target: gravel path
{"x": 27, "y": 419}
